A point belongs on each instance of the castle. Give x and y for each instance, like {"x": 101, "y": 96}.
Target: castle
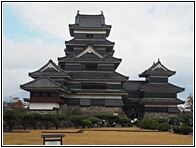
{"x": 85, "y": 80}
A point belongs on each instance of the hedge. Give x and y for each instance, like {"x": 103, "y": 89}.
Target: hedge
{"x": 185, "y": 130}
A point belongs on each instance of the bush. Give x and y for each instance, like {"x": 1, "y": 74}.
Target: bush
{"x": 94, "y": 120}
{"x": 148, "y": 123}
{"x": 161, "y": 120}
{"x": 129, "y": 125}
{"x": 11, "y": 118}
{"x": 177, "y": 118}
{"x": 164, "y": 127}
{"x": 86, "y": 122}
{"x": 176, "y": 130}
{"x": 187, "y": 117}
{"x": 76, "y": 120}
{"x": 123, "y": 121}
{"x": 185, "y": 130}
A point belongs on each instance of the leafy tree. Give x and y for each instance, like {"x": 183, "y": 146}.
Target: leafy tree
{"x": 17, "y": 104}
{"x": 76, "y": 120}
{"x": 10, "y": 117}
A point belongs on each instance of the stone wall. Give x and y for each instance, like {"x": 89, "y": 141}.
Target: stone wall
{"x": 90, "y": 110}
{"x": 84, "y": 111}
{"x": 158, "y": 115}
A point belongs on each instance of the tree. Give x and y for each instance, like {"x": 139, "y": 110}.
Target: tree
{"x": 18, "y": 104}
{"x": 94, "y": 120}
{"x": 46, "y": 120}
{"x": 86, "y": 122}
{"x": 57, "y": 119}
{"x": 35, "y": 119}
{"x": 25, "y": 118}
{"x": 11, "y": 118}
{"x": 123, "y": 121}
{"x": 76, "y": 120}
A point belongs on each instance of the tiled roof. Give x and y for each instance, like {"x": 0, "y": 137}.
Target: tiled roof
{"x": 162, "y": 101}
{"x": 94, "y": 75}
{"x": 161, "y": 87}
{"x": 86, "y": 22}
{"x": 157, "y": 69}
{"x": 92, "y": 60}
{"x": 90, "y": 42}
{"x": 51, "y": 70}
{"x": 83, "y": 20}
{"x": 43, "y": 83}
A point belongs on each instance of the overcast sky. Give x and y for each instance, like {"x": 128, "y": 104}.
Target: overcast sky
{"x": 33, "y": 33}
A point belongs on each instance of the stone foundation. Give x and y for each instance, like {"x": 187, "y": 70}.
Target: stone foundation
{"x": 89, "y": 111}
{"x": 158, "y": 115}
{"x": 43, "y": 111}
{"x": 84, "y": 111}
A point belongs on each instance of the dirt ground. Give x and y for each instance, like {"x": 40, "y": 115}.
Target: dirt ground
{"x": 100, "y": 136}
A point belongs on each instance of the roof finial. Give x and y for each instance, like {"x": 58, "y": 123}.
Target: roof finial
{"x": 101, "y": 12}
{"x": 158, "y": 60}
{"x": 78, "y": 11}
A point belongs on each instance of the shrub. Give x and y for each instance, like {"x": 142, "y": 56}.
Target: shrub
{"x": 164, "y": 127}
{"x": 148, "y": 123}
{"x": 124, "y": 120}
{"x": 76, "y": 120}
{"x": 11, "y": 118}
{"x": 94, "y": 120}
{"x": 185, "y": 130}
{"x": 177, "y": 118}
{"x": 46, "y": 120}
{"x": 129, "y": 125}
{"x": 161, "y": 120}
{"x": 176, "y": 130}
{"x": 100, "y": 116}
{"x": 187, "y": 117}
{"x": 86, "y": 122}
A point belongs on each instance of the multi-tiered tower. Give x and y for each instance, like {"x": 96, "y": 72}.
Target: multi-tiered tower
{"x": 154, "y": 97}
{"x": 93, "y": 85}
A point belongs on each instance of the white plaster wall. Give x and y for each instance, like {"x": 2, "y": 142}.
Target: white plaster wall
{"x": 43, "y": 106}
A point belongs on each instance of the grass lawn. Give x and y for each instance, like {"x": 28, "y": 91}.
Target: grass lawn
{"x": 97, "y": 136}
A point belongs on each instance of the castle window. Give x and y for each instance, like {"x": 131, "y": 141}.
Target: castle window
{"x": 93, "y": 86}
{"x": 89, "y": 36}
{"x": 91, "y": 66}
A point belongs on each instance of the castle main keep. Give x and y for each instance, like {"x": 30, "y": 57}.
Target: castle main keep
{"x": 85, "y": 80}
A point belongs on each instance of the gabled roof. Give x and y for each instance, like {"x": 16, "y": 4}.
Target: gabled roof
{"x": 89, "y": 49}
{"x": 43, "y": 83}
{"x": 157, "y": 69}
{"x": 161, "y": 87}
{"x": 86, "y": 22}
{"x": 50, "y": 69}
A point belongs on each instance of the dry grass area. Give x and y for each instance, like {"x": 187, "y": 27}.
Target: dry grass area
{"x": 95, "y": 137}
